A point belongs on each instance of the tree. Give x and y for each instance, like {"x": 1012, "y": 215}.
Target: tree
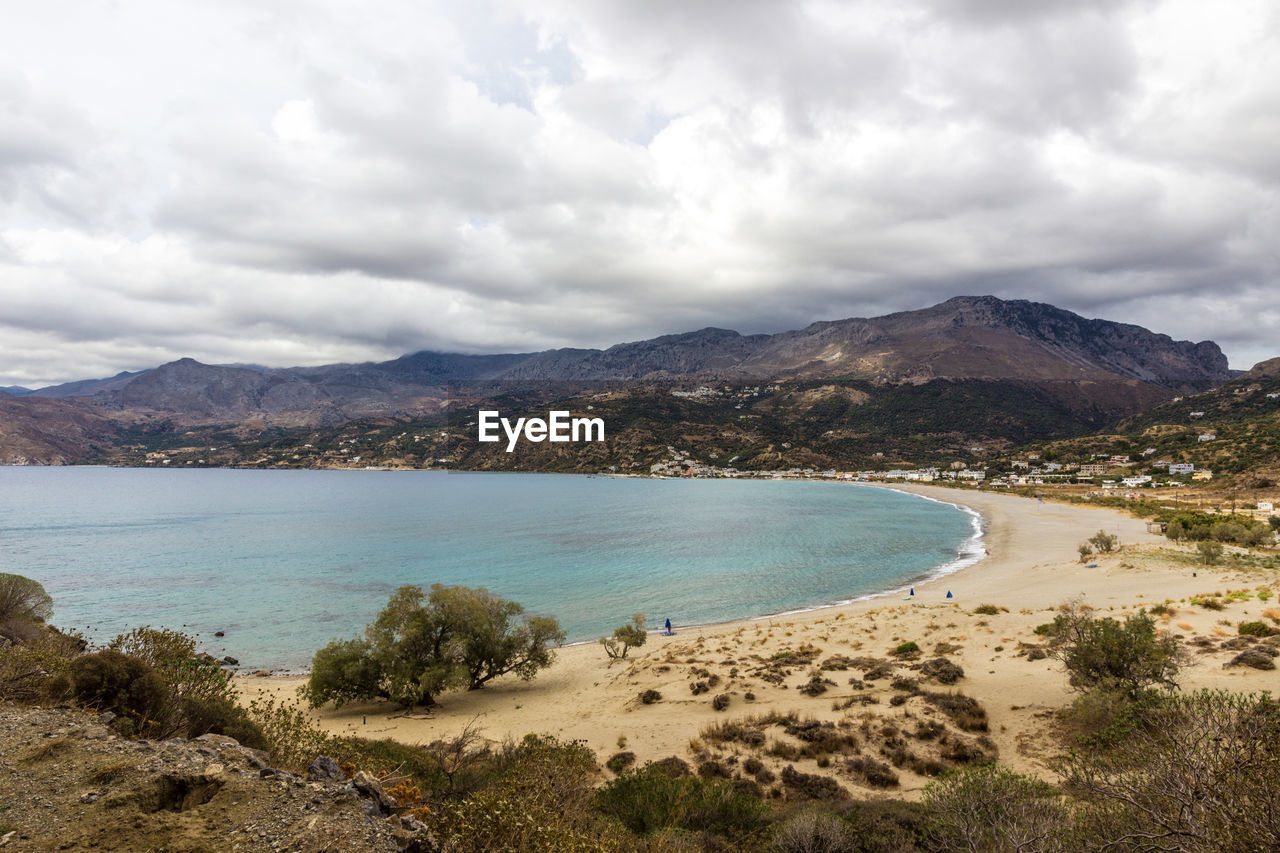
{"x": 23, "y": 600}
{"x": 1210, "y": 551}
{"x": 493, "y": 635}
{"x": 625, "y": 638}
{"x": 423, "y": 644}
{"x": 1129, "y": 656}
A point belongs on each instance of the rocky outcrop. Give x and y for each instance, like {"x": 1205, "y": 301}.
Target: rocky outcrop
{"x": 70, "y": 783}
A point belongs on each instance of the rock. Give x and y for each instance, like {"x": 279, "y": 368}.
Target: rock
{"x": 219, "y": 633}
{"x": 230, "y": 661}
{"x": 411, "y": 823}
{"x": 1254, "y": 657}
{"x": 255, "y": 757}
{"x": 325, "y": 769}
{"x": 89, "y": 798}
{"x": 219, "y": 741}
{"x": 368, "y": 785}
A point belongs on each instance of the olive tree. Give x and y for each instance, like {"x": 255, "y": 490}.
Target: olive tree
{"x": 423, "y": 644}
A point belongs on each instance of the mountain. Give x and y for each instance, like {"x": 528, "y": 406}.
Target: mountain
{"x": 1081, "y": 373}
{"x": 35, "y": 431}
{"x": 14, "y": 391}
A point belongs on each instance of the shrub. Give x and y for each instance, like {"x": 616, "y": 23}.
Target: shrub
{"x": 650, "y": 799}
{"x": 988, "y": 610}
{"x": 812, "y": 832}
{"x": 541, "y": 800}
{"x": 1085, "y": 551}
{"x": 812, "y": 785}
{"x": 1203, "y": 769}
{"x": 1256, "y": 657}
{"x": 620, "y": 761}
{"x": 875, "y": 773}
{"x": 220, "y": 716}
{"x": 965, "y": 711}
{"x": 721, "y": 702}
{"x": 1105, "y": 542}
{"x": 1101, "y": 652}
{"x": 942, "y": 670}
{"x": 37, "y": 669}
{"x": 648, "y": 697}
{"x": 1255, "y": 629}
{"x": 625, "y": 638}
{"x": 993, "y": 808}
{"x": 815, "y": 686}
{"x": 125, "y": 686}
{"x": 906, "y": 649}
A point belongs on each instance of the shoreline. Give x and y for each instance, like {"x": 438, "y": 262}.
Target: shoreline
{"x": 1030, "y": 567}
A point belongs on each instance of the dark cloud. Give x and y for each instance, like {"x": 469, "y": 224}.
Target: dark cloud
{"x": 301, "y": 183}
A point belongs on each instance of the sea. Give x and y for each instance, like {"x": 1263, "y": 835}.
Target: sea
{"x": 282, "y": 562}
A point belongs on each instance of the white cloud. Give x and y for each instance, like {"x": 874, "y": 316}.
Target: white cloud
{"x": 296, "y": 183}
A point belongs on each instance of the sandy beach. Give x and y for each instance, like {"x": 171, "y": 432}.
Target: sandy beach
{"x": 1031, "y": 567}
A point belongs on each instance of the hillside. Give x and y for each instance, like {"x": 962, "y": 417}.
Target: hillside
{"x": 1231, "y": 432}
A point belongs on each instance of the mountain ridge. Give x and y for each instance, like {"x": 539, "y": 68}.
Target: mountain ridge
{"x": 1125, "y": 367}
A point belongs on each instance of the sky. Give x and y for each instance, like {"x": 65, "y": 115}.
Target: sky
{"x": 295, "y": 183}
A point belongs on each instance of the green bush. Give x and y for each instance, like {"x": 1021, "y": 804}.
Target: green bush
{"x": 220, "y": 716}
{"x": 907, "y": 648}
{"x": 1255, "y": 629}
{"x": 650, "y": 799}
{"x": 1103, "y": 653}
{"x": 110, "y": 681}
{"x": 988, "y": 610}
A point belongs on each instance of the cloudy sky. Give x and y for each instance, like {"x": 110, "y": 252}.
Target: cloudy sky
{"x": 306, "y": 182}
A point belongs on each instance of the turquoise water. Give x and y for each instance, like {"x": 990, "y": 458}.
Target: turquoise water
{"x": 284, "y": 561}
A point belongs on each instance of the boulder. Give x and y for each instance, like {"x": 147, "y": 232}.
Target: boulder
{"x": 325, "y": 769}
{"x": 368, "y": 785}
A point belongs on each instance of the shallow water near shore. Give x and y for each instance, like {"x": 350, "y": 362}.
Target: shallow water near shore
{"x": 284, "y": 561}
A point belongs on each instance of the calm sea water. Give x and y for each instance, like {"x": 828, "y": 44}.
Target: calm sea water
{"x": 284, "y": 561}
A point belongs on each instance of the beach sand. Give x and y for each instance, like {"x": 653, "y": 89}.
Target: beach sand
{"x": 1031, "y": 567}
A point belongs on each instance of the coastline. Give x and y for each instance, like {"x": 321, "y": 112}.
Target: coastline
{"x": 1030, "y": 567}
